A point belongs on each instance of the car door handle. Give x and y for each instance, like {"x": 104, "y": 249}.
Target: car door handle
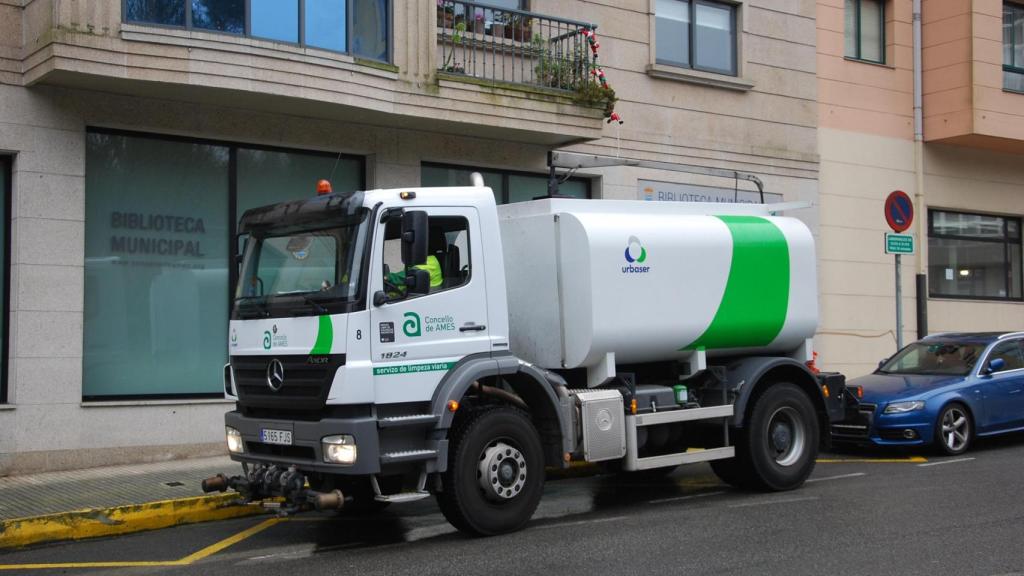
{"x": 473, "y": 328}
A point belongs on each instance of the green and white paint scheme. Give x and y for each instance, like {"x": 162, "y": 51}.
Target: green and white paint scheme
{"x": 727, "y": 278}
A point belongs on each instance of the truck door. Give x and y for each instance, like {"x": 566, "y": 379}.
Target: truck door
{"x": 416, "y": 339}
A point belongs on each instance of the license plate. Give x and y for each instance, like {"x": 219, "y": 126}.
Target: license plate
{"x": 282, "y": 437}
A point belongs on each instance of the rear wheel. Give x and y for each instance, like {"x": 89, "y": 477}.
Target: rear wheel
{"x": 954, "y": 430}
{"x": 495, "y": 473}
{"x": 776, "y": 449}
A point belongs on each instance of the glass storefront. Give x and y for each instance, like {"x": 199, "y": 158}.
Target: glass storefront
{"x": 157, "y": 253}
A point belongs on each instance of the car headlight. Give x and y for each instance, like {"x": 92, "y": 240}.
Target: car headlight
{"x": 903, "y": 407}
{"x": 234, "y": 438}
{"x": 339, "y": 449}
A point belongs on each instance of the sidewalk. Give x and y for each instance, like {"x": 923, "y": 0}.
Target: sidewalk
{"x": 112, "y": 500}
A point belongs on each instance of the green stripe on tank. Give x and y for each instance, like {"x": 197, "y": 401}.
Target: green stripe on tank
{"x": 324, "y": 336}
{"x": 756, "y": 297}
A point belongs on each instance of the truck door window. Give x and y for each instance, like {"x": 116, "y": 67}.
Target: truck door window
{"x": 447, "y": 254}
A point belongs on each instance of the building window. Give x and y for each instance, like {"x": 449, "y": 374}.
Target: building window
{"x": 508, "y": 186}
{"x": 160, "y": 216}
{"x": 865, "y": 30}
{"x": 358, "y": 27}
{"x": 5, "y": 258}
{"x": 974, "y": 256}
{"x": 1013, "y": 47}
{"x": 697, "y": 34}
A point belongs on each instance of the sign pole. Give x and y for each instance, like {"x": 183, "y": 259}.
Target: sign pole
{"x": 899, "y": 306}
{"x": 899, "y": 214}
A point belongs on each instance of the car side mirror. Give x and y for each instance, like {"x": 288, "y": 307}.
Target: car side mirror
{"x": 417, "y": 281}
{"x": 414, "y": 238}
{"x": 882, "y": 362}
{"x": 995, "y": 365}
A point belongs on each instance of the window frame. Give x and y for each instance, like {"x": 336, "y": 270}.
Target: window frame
{"x": 382, "y": 225}
{"x": 883, "y": 41}
{"x": 301, "y": 43}
{"x": 1013, "y": 67}
{"x": 233, "y": 148}
{"x": 7, "y": 169}
{"x": 1006, "y": 242}
{"x": 1019, "y": 344}
{"x": 505, "y": 174}
{"x": 692, "y": 38}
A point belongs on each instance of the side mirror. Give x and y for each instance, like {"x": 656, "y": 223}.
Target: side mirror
{"x": 380, "y": 298}
{"x": 417, "y": 281}
{"x": 414, "y": 238}
{"x": 882, "y": 362}
{"x": 995, "y": 365}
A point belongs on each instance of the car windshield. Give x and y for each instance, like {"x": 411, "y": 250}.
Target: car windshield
{"x": 315, "y": 266}
{"x": 937, "y": 358}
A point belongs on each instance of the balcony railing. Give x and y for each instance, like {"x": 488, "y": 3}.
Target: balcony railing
{"x": 501, "y": 45}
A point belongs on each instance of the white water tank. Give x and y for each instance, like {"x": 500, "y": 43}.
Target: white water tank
{"x": 654, "y": 281}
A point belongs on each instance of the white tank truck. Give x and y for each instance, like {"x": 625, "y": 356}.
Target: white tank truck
{"x": 390, "y": 345}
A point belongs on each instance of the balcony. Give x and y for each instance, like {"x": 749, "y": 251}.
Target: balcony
{"x": 410, "y": 72}
{"x": 513, "y": 48}
{"x": 972, "y": 95}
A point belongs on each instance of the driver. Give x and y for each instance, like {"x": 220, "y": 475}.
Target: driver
{"x": 432, "y": 266}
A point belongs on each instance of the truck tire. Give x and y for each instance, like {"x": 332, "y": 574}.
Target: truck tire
{"x": 495, "y": 473}
{"x": 777, "y": 448}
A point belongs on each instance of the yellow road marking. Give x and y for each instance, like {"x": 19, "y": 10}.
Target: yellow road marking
{"x": 231, "y": 540}
{"x": 190, "y": 559}
{"x": 910, "y": 460}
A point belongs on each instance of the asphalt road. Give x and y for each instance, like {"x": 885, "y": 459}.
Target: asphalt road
{"x": 867, "y": 513}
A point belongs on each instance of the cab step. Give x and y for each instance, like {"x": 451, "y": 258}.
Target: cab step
{"x": 401, "y": 497}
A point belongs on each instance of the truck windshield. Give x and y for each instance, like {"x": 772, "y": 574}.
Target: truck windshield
{"x": 934, "y": 358}
{"x": 316, "y": 268}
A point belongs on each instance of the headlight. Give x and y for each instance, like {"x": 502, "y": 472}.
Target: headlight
{"x": 902, "y": 407}
{"x": 234, "y": 437}
{"x": 340, "y": 449}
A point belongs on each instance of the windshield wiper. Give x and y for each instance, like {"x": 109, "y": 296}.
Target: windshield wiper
{"x": 316, "y": 305}
{"x": 261, "y": 305}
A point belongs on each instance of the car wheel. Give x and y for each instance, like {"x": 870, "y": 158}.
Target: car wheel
{"x": 954, "y": 430}
{"x": 495, "y": 474}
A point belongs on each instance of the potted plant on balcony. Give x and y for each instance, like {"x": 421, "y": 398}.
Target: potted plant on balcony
{"x": 498, "y": 25}
{"x": 520, "y": 28}
{"x": 479, "y": 23}
{"x": 445, "y": 14}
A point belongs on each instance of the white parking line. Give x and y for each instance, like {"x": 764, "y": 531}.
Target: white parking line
{"x": 690, "y": 497}
{"x": 839, "y": 477}
{"x": 954, "y": 461}
{"x": 777, "y": 501}
{"x": 580, "y": 522}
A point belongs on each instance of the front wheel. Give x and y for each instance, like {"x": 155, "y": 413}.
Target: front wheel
{"x": 495, "y": 473}
{"x": 777, "y": 448}
{"x": 953, "y": 431}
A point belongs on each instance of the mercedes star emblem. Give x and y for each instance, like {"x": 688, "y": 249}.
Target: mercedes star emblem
{"x": 275, "y": 374}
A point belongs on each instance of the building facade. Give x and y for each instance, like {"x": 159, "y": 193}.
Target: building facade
{"x": 134, "y": 133}
{"x": 965, "y": 172}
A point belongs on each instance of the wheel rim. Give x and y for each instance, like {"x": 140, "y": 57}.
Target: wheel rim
{"x": 501, "y": 472}
{"x": 955, "y": 429}
{"x": 786, "y": 436}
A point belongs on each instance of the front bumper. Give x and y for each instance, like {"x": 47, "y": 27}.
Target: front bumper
{"x": 865, "y": 423}
{"x": 306, "y": 452}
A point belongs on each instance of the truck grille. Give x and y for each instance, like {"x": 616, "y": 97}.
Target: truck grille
{"x": 305, "y": 387}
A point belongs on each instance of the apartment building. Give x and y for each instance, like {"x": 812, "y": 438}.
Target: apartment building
{"x": 965, "y": 171}
{"x": 134, "y": 133}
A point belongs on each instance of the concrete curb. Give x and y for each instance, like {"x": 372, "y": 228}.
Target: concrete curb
{"x": 96, "y": 522}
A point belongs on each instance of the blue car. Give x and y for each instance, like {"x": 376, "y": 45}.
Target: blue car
{"x": 941, "y": 391}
